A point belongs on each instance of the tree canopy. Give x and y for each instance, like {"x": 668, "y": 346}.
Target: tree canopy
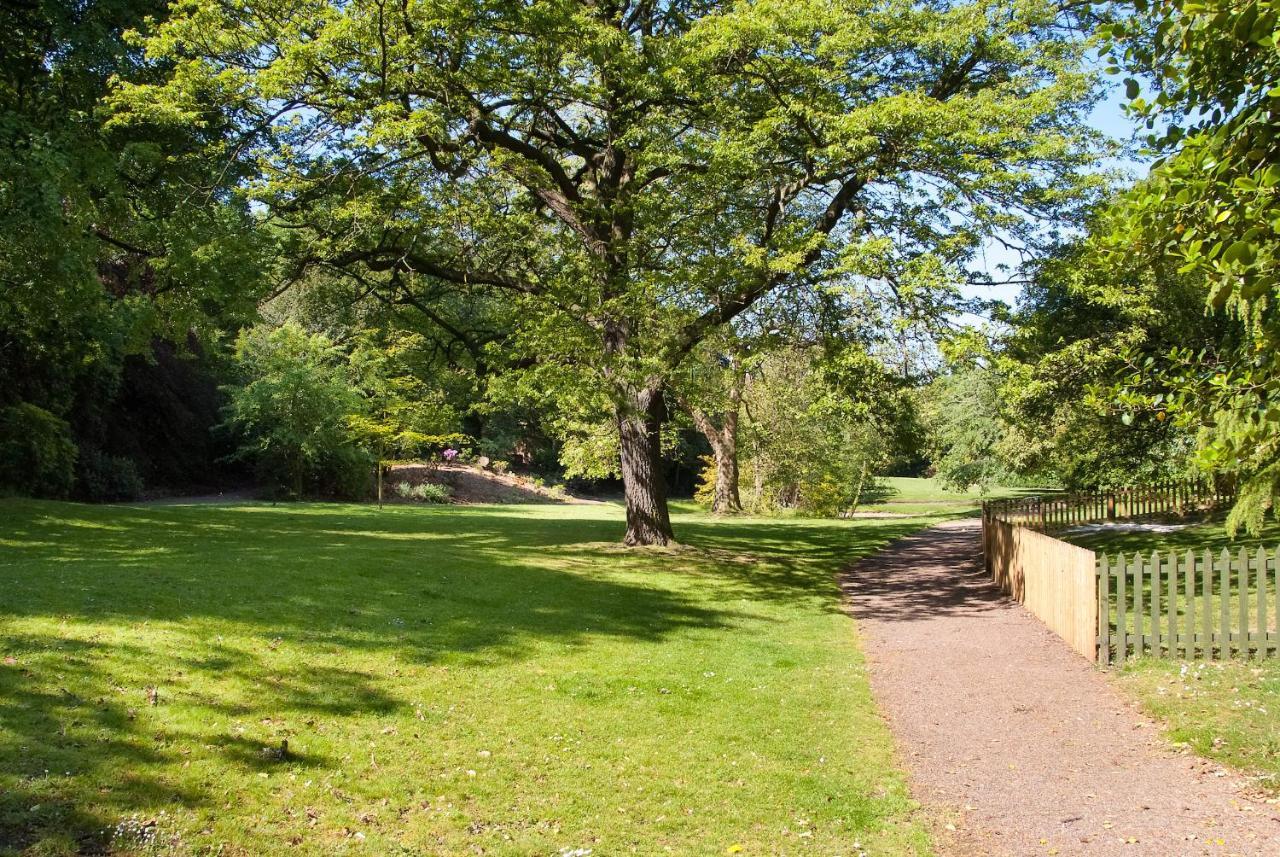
{"x": 634, "y": 176}
{"x": 1210, "y": 206}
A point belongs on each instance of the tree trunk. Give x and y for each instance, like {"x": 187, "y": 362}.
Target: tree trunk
{"x": 862, "y": 482}
{"x": 296, "y": 474}
{"x": 724, "y": 444}
{"x": 727, "y": 500}
{"x": 757, "y": 480}
{"x": 644, "y": 483}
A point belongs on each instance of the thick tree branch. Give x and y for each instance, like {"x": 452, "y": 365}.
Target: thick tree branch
{"x": 723, "y": 313}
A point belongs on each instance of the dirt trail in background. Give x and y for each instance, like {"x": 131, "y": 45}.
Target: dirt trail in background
{"x": 1017, "y": 741}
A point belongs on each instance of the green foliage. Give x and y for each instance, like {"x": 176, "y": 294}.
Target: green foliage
{"x": 103, "y": 478}
{"x": 966, "y": 433}
{"x": 630, "y": 183}
{"x": 293, "y": 408}
{"x": 704, "y": 490}
{"x": 818, "y": 429}
{"x": 37, "y": 454}
{"x": 401, "y": 417}
{"x": 427, "y": 492}
{"x": 113, "y": 242}
{"x": 1088, "y": 316}
{"x": 1213, "y": 205}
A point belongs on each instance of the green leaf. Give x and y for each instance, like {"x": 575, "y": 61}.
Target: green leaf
{"x": 1241, "y": 251}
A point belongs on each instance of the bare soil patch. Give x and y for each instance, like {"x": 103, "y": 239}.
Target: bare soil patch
{"x": 472, "y": 484}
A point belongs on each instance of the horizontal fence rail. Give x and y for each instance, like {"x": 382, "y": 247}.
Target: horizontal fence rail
{"x": 1189, "y": 605}
{"x": 1058, "y": 511}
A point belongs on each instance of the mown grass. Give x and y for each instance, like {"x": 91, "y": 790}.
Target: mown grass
{"x": 911, "y": 495}
{"x": 1196, "y": 534}
{"x": 1228, "y": 711}
{"x": 450, "y": 680}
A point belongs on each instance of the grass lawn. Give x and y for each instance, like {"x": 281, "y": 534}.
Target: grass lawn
{"x": 1196, "y": 535}
{"x": 450, "y": 680}
{"x": 1227, "y": 711}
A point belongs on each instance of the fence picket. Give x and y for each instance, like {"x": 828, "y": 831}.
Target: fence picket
{"x": 1122, "y": 636}
{"x": 1171, "y": 615}
{"x": 1189, "y": 645}
{"x": 1243, "y": 636}
{"x": 1155, "y": 602}
{"x": 1224, "y": 590}
{"x": 1275, "y": 581}
{"x": 1206, "y": 594}
{"x": 1139, "y": 643}
{"x": 1260, "y": 621}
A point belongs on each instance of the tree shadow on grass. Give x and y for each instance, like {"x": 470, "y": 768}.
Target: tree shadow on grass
{"x": 934, "y": 574}
{"x": 791, "y": 560}
{"x": 290, "y": 586}
{"x": 479, "y": 586}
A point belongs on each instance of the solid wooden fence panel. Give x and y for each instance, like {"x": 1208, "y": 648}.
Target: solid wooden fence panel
{"x": 1104, "y": 609}
{"x": 1056, "y": 581}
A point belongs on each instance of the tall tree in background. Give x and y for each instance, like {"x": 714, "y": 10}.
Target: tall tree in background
{"x": 1212, "y": 204}
{"x": 94, "y": 266}
{"x": 1080, "y": 326}
{"x": 635, "y": 175}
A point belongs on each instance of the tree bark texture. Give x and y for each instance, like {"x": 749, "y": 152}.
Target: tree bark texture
{"x": 644, "y": 482}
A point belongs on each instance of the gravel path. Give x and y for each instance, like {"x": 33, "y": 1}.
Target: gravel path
{"x": 1016, "y": 744}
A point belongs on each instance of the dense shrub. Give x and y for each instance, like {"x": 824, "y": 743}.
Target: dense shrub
{"x": 427, "y": 492}
{"x": 292, "y": 412}
{"x": 104, "y": 478}
{"x": 37, "y": 454}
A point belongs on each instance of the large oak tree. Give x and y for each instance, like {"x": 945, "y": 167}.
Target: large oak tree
{"x": 634, "y": 175}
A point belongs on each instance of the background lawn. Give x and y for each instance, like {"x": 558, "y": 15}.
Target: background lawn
{"x": 1194, "y": 534}
{"x": 496, "y": 680}
{"x": 912, "y": 495}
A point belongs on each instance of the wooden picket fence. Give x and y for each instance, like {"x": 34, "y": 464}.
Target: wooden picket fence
{"x": 1179, "y": 604}
{"x": 1058, "y": 511}
{"x": 1189, "y": 605}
